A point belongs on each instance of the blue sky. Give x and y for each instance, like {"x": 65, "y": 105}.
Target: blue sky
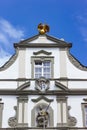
{"x": 67, "y": 19}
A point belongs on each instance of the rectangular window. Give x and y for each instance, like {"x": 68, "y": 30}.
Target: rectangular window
{"x": 42, "y": 69}
{"x": 42, "y": 66}
{"x": 85, "y": 115}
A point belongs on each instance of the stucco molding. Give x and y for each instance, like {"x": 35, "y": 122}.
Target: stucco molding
{"x": 10, "y": 61}
{"x": 61, "y": 98}
{"x": 75, "y": 62}
{"x": 23, "y": 86}
{"x": 34, "y": 45}
{"x": 22, "y": 99}
{"x": 43, "y": 52}
{"x": 85, "y": 99}
{"x": 42, "y": 58}
{"x": 1, "y": 112}
{"x": 34, "y": 112}
{"x": 42, "y": 97}
{"x": 61, "y": 86}
{"x": 58, "y": 42}
{"x": 12, "y": 121}
{"x": 71, "y": 120}
{"x": 84, "y": 106}
{"x": 42, "y": 84}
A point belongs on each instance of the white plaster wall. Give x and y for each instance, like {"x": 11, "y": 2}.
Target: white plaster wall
{"x": 31, "y": 105}
{"x": 29, "y": 53}
{"x": 74, "y": 72}
{"x": 11, "y": 72}
{"x": 77, "y": 84}
{"x": 51, "y": 85}
{"x": 76, "y": 110}
{"x": 62, "y": 60}
{"x": 8, "y": 85}
{"x": 73, "y": 101}
{"x": 8, "y": 110}
{"x": 42, "y": 39}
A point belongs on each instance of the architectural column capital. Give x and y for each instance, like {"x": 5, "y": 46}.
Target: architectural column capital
{"x": 61, "y": 98}
{"x": 22, "y": 98}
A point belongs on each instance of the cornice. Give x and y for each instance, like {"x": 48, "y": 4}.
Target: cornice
{"x": 76, "y": 92}
{"x": 61, "y": 86}
{"x": 42, "y": 45}
{"x": 53, "y": 79}
{"x": 27, "y": 43}
{"x": 75, "y": 62}
{"x": 47, "y": 128}
{"x": 23, "y": 86}
{"x": 10, "y": 61}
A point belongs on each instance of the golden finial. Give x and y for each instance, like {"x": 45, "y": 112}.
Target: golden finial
{"x": 43, "y": 28}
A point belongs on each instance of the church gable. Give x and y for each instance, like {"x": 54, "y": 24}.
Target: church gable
{"x": 43, "y": 41}
{"x": 41, "y": 83}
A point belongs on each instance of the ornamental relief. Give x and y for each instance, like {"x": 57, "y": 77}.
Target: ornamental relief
{"x": 71, "y": 120}
{"x": 42, "y": 84}
{"x": 12, "y": 121}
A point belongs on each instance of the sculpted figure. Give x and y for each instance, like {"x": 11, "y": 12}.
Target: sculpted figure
{"x": 42, "y": 118}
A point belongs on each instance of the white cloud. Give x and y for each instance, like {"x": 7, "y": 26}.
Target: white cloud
{"x": 4, "y": 60}
{"x": 82, "y": 19}
{"x": 8, "y": 35}
{"x": 83, "y": 31}
{"x": 82, "y": 25}
{"x": 10, "y": 30}
{"x": 4, "y": 57}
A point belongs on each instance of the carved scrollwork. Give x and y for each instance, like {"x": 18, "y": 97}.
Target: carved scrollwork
{"x": 71, "y": 120}
{"x": 12, "y": 121}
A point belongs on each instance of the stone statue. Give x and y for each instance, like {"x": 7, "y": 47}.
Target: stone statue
{"x": 42, "y": 117}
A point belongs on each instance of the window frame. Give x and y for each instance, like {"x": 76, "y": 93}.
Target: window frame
{"x": 84, "y": 105}
{"x": 41, "y": 67}
{"x": 42, "y": 59}
{"x": 1, "y": 112}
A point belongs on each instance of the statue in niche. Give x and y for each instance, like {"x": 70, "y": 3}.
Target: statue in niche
{"x": 42, "y": 117}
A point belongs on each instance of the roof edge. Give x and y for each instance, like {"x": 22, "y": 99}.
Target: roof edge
{"x": 10, "y": 61}
{"x": 75, "y": 62}
{"x": 27, "y": 42}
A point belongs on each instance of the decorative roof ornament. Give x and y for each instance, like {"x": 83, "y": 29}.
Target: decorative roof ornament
{"x": 43, "y": 28}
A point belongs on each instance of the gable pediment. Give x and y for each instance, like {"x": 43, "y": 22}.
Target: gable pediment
{"x": 42, "y": 41}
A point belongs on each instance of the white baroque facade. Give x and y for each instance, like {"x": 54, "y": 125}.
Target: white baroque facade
{"x": 43, "y": 86}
